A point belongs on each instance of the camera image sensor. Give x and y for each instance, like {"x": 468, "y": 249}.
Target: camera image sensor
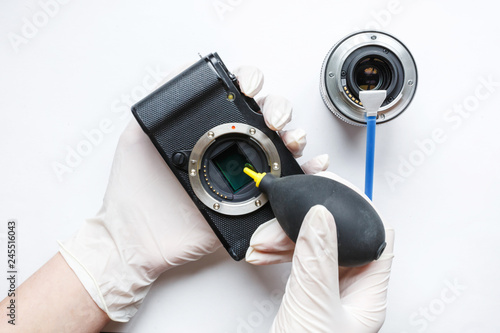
{"x": 222, "y": 175}
{"x": 231, "y": 163}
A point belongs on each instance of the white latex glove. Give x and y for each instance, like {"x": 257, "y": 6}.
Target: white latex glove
{"x": 147, "y": 223}
{"x": 320, "y": 296}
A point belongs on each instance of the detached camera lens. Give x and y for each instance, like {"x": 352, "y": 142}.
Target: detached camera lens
{"x": 368, "y": 60}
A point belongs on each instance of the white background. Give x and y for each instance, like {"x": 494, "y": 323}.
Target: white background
{"x": 75, "y": 69}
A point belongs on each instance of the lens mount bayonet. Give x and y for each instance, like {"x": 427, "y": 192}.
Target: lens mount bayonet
{"x": 216, "y": 167}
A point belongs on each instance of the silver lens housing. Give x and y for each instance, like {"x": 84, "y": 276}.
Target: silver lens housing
{"x": 195, "y": 167}
{"x": 332, "y": 86}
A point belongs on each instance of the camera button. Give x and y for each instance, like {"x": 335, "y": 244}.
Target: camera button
{"x": 179, "y": 159}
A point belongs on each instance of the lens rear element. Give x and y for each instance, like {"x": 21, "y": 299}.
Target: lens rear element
{"x": 369, "y": 75}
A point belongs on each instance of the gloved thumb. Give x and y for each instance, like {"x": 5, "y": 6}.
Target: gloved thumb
{"x": 313, "y": 287}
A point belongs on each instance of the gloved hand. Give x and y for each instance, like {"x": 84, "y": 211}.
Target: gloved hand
{"x": 147, "y": 223}
{"x": 320, "y": 296}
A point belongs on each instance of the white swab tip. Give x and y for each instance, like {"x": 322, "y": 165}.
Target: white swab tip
{"x": 372, "y": 100}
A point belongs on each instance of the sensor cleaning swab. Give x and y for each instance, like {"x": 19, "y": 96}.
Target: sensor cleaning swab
{"x": 372, "y": 101}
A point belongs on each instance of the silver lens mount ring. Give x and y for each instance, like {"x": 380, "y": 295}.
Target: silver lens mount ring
{"x": 343, "y": 66}
{"x": 195, "y": 167}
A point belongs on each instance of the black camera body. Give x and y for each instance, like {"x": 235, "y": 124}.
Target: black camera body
{"x": 207, "y": 131}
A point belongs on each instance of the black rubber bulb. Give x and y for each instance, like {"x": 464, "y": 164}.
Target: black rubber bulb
{"x": 360, "y": 231}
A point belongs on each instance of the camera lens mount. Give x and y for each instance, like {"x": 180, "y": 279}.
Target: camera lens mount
{"x": 216, "y": 167}
{"x": 368, "y": 60}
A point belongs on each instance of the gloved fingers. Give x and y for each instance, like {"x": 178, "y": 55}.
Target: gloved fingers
{"x": 255, "y": 257}
{"x": 388, "y": 253}
{"x": 277, "y": 111}
{"x": 270, "y": 237}
{"x": 202, "y": 241}
{"x": 294, "y": 140}
{"x": 316, "y": 164}
{"x": 250, "y": 79}
{"x": 315, "y": 260}
{"x": 312, "y": 298}
{"x": 270, "y": 245}
{"x": 364, "y": 289}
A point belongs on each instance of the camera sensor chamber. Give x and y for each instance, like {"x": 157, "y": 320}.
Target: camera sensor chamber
{"x": 216, "y": 168}
{"x": 368, "y": 60}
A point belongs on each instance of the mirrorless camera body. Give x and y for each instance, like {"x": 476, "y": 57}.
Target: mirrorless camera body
{"x": 207, "y": 131}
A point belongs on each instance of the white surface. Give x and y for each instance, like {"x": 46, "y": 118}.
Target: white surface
{"x": 74, "y": 72}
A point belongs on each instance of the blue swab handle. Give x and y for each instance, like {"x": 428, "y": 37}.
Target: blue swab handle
{"x": 372, "y": 101}
{"x": 371, "y": 123}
